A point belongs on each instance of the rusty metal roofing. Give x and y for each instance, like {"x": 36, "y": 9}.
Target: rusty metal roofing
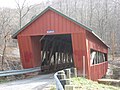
{"x": 14, "y": 36}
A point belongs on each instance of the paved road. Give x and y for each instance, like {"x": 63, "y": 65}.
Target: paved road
{"x": 41, "y": 82}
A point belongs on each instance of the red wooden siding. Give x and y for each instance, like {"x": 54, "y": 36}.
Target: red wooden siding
{"x": 95, "y": 43}
{"x": 51, "y": 21}
{"x": 97, "y": 70}
{"x": 79, "y": 50}
{"x": 26, "y": 53}
{"x": 82, "y": 42}
{"x": 30, "y": 51}
{"x": 36, "y": 47}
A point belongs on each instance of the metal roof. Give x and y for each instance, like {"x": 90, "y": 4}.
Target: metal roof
{"x": 14, "y": 36}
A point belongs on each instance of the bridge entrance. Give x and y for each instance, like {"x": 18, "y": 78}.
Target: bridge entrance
{"x": 56, "y": 52}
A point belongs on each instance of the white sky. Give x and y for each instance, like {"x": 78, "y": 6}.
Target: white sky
{"x": 12, "y": 4}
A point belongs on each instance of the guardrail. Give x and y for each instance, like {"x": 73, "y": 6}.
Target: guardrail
{"x": 18, "y": 72}
{"x": 62, "y": 77}
{"x": 58, "y": 83}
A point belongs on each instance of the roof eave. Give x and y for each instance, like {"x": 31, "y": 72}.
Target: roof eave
{"x": 14, "y": 36}
{"x": 100, "y": 39}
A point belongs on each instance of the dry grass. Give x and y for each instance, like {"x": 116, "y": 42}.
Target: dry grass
{"x": 3, "y": 80}
{"x": 86, "y": 84}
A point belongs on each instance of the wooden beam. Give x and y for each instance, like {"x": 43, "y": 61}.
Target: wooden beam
{"x": 52, "y": 49}
{"x": 44, "y": 49}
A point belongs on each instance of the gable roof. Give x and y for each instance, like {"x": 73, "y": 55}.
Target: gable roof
{"x": 14, "y": 36}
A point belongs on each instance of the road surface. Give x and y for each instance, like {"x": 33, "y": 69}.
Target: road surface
{"x": 41, "y": 82}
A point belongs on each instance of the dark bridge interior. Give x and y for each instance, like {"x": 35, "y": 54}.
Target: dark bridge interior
{"x": 56, "y": 52}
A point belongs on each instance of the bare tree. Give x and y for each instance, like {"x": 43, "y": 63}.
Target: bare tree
{"x": 23, "y": 10}
{"x": 5, "y": 33}
{"x": 91, "y": 12}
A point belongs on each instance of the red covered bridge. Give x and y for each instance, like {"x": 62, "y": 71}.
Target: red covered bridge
{"x": 55, "y": 41}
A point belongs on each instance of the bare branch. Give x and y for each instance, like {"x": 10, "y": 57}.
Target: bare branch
{"x": 116, "y": 2}
{"x": 23, "y": 4}
{"x": 18, "y": 4}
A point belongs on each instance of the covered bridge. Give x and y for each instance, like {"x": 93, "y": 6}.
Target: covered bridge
{"x": 56, "y": 41}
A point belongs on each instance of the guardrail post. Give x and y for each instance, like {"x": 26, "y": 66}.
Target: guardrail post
{"x": 72, "y": 87}
{"x": 68, "y": 73}
{"x": 65, "y": 82}
{"x": 69, "y": 87}
{"x": 61, "y": 72}
{"x": 60, "y": 78}
{"x": 73, "y": 72}
{"x": 61, "y": 75}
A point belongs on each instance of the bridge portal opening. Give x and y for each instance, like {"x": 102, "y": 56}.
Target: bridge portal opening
{"x": 56, "y": 52}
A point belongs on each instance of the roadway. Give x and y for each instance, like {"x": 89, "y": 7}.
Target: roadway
{"x": 41, "y": 82}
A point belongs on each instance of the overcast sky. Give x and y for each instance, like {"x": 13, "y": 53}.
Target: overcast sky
{"x": 12, "y": 4}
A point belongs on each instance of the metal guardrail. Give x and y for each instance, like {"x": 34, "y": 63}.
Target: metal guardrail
{"x": 62, "y": 78}
{"x": 58, "y": 83}
{"x": 18, "y": 72}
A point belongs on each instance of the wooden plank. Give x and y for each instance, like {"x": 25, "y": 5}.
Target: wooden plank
{"x": 61, "y": 57}
{"x": 45, "y": 44}
{"x": 52, "y": 50}
{"x": 65, "y": 58}
{"x": 54, "y": 57}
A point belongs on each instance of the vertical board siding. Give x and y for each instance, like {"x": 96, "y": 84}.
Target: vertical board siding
{"x": 79, "y": 50}
{"x": 82, "y": 42}
{"x": 88, "y": 58}
{"x": 51, "y": 21}
{"x": 98, "y": 70}
{"x": 36, "y": 46}
{"x": 26, "y": 51}
{"x": 96, "y": 44}
{"x": 20, "y": 44}
{"x": 76, "y": 50}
